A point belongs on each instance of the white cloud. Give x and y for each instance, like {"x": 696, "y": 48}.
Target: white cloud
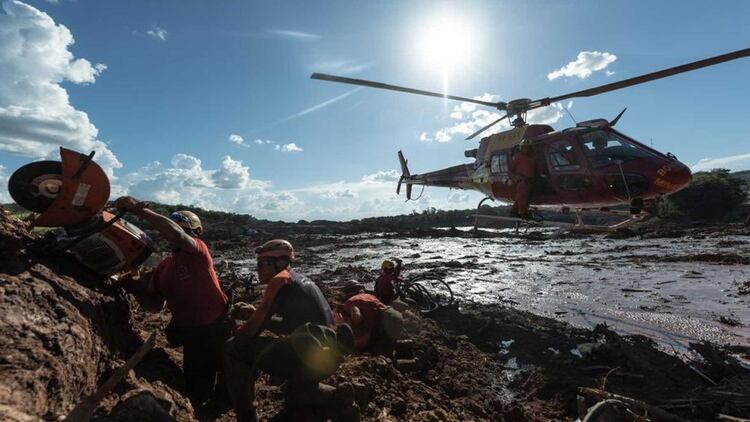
{"x": 4, "y": 195}
{"x": 442, "y": 136}
{"x": 584, "y": 65}
{"x": 228, "y": 188}
{"x": 293, "y": 35}
{"x": 157, "y": 33}
{"x": 231, "y": 175}
{"x": 237, "y": 139}
{"x": 381, "y": 177}
{"x": 290, "y": 147}
{"x": 733, "y": 162}
{"x": 36, "y": 116}
{"x": 424, "y": 137}
{"x": 375, "y": 195}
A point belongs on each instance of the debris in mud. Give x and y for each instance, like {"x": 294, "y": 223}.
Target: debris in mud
{"x": 729, "y": 321}
{"x": 65, "y": 333}
{"x": 744, "y": 289}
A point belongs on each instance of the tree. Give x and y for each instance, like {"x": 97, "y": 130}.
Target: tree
{"x": 710, "y": 195}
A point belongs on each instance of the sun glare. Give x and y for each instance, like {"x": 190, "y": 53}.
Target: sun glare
{"x": 445, "y": 43}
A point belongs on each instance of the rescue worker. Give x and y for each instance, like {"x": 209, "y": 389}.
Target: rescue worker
{"x": 390, "y": 270}
{"x": 376, "y": 326}
{"x": 309, "y": 349}
{"x": 522, "y": 170}
{"x": 186, "y": 281}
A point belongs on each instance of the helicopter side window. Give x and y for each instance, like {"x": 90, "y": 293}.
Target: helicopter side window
{"x": 562, "y": 156}
{"x": 499, "y": 163}
{"x": 603, "y": 148}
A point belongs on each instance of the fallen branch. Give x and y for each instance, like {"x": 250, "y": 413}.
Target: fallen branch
{"x": 652, "y": 410}
{"x": 85, "y": 409}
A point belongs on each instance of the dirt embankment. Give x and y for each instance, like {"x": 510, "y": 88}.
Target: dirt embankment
{"x": 64, "y": 332}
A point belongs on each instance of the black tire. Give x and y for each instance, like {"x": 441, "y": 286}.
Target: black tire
{"x": 441, "y": 292}
{"x": 24, "y": 191}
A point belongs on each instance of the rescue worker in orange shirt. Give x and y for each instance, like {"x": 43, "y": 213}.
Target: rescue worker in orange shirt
{"x": 390, "y": 270}
{"x": 522, "y": 169}
{"x": 308, "y": 351}
{"x": 186, "y": 281}
{"x": 376, "y": 326}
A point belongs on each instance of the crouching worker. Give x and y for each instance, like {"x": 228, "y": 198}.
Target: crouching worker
{"x": 308, "y": 351}
{"x": 376, "y": 327}
{"x": 186, "y": 281}
{"x": 385, "y": 289}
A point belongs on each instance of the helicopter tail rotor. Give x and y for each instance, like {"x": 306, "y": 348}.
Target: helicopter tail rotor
{"x": 405, "y": 176}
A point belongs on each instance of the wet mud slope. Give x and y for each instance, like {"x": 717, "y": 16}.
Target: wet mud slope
{"x": 64, "y": 332}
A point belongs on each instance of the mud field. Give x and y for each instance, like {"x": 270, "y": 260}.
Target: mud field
{"x": 684, "y": 288}
{"x": 524, "y": 343}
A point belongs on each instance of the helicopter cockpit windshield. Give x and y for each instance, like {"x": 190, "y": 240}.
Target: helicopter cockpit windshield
{"x": 603, "y": 148}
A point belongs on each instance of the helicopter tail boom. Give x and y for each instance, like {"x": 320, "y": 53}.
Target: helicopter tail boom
{"x": 450, "y": 177}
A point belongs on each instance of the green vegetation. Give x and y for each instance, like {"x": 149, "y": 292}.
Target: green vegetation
{"x": 710, "y": 195}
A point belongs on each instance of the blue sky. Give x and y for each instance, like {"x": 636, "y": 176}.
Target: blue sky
{"x": 172, "y": 81}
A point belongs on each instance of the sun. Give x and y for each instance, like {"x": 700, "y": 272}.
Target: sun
{"x": 445, "y": 43}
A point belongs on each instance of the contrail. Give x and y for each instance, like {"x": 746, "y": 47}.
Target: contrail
{"x": 323, "y": 104}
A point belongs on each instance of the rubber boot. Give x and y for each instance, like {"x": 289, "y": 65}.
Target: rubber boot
{"x": 342, "y": 407}
{"x": 350, "y": 413}
{"x": 408, "y": 365}
{"x": 404, "y": 349}
{"x": 310, "y": 395}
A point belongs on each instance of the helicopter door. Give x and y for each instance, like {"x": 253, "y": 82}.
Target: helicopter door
{"x": 567, "y": 173}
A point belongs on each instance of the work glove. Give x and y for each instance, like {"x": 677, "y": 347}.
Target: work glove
{"x": 132, "y": 281}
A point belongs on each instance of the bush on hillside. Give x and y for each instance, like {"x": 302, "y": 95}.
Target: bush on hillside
{"x": 710, "y": 195}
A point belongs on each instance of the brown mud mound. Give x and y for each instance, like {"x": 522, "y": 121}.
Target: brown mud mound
{"x": 63, "y": 332}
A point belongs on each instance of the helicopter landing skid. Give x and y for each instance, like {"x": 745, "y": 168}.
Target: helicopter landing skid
{"x": 629, "y": 220}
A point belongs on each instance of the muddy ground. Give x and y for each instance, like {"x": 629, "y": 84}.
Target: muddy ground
{"x": 515, "y": 348}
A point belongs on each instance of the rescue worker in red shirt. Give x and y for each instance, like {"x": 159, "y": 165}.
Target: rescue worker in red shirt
{"x": 186, "y": 281}
{"x": 376, "y": 326}
{"x": 308, "y": 351}
{"x": 522, "y": 170}
{"x": 384, "y": 285}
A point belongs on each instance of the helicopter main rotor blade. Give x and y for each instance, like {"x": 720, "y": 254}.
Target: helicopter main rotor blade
{"x": 372, "y": 84}
{"x": 644, "y": 78}
{"x": 485, "y": 128}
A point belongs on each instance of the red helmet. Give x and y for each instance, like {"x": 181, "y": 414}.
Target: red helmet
{"x": 276, "y": 248}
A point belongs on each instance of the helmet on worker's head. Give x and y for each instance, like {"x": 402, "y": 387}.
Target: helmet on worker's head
{"x": 187, "y": 220}
{"x": 276, "y": 248}
{"x": 351, "y": 288}
{"x": 600, "y": 143}
{"x": 388, "y": 265}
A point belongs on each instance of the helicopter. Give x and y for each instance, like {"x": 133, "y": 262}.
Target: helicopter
{"x": 588, "y": 167}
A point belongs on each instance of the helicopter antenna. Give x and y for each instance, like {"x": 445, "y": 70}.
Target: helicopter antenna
{"x": 571, "y": 115}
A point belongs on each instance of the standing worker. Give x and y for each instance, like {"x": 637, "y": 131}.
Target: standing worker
{"x": 186, "y": 281}
{"x": 522, "y": 170}
{"x": 309, "y": 349}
